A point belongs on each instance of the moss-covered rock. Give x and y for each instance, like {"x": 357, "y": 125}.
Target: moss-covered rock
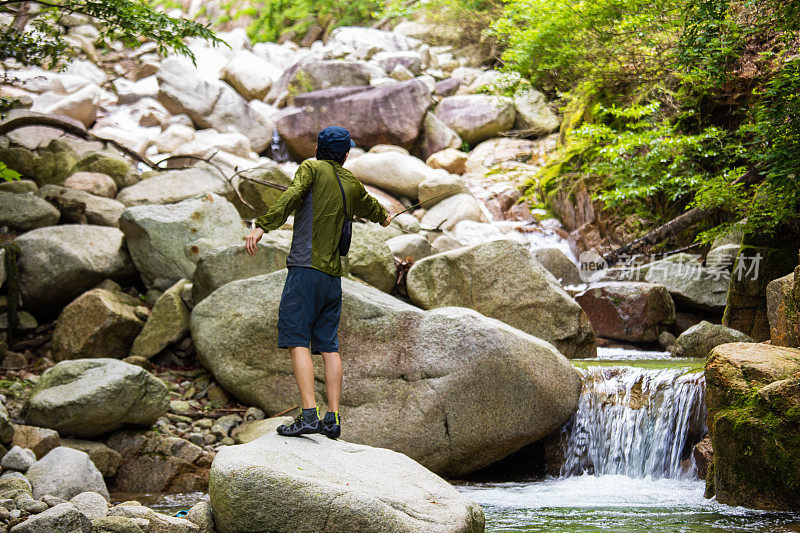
{"x": 110, "y": 164}
{"x": 699, "y": 339}
{"x": 753, "y": 400}
{"x": 755, "y": 267}
{"x": 54, "y": 163}
{"x": 261, "y": 197}
{"x": 19, "y": 159}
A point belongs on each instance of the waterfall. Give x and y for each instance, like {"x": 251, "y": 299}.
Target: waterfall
{"x": 635, "y": 422}
{"x": 278, "y": 151}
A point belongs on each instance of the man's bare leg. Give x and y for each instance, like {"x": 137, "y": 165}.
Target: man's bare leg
{"x": 333, "y": 379}
{"x": 304, "y": 375}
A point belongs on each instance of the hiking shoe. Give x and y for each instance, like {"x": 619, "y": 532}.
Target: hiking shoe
{"x": 300, "y": 426}
{"x": 331, "y": 425}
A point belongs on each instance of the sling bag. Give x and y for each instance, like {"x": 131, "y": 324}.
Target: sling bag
{"x": 347, "y": 226}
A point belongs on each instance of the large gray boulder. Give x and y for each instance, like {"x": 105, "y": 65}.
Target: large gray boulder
{"x": 90, "y": 397}
{"x": 261, "y": 197}
{"x": 436, "y": 136}
{"x": 501, "y": 279}
{"x": 370, "y": 259}
{"x": 250, "y": 75}
{"x": 175, "y": 186}
{"x": 65, "y": 473}
{"x": 448, "y": 212}
{"x": 167, "y": 323}
{"x": 219, "y": 266}
{"x": 700, "y": 339}
{"x": 476, "y": 117}
{"x": 559, "y": 265}
{"x": 379, "y": 115}
{"x": 210, "y": 105}
{"x": 314, "y": 74}
{"x": 534, "y": 115}
{"x": 691, "y": 284}
{"x": 58, "y": 263}
{"x": 165, "y": 241}
{"x": 393, "y": 172}
{"x": 450, "y": 388}
{"x": 62, "y": 517}
{"x": 24, "y": 212}
{"x": 414, "y": 246}
{"x": 341, "y": 487}
{"x": 99, "y": 210}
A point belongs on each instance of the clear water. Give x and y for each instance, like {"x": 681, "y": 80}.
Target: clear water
{"x": 163, "y": 503}
{"x": 627, "y": 466}
{"x": 617, "y": 504}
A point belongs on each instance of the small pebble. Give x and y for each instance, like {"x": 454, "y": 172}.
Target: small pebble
{"x": 196, "y": 438}
{"x": 254, "y": 413}
{"x": 209, "y": 438}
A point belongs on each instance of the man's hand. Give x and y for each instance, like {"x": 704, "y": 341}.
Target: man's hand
{"x": 387, "y": 221}
{"x": 252, "y": 240}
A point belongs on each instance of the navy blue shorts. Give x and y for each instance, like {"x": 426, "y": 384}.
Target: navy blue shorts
{"x": 308, "y": 315}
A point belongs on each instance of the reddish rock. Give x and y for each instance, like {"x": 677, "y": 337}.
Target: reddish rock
{"x": 99, "y": 323}
{"x": 158, "y": 463}
{"x": 39, "y": 440}
{"x": 382, "y": 115}
{"x": 703, "y": 456}
{"x": 634, "y": 311}
{"x": 783, "y": 310}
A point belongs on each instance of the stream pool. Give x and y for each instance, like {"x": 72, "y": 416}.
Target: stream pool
{"x": 617, "y": 504}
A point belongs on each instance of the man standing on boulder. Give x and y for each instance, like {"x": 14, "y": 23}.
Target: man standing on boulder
{"x": 323, "y": 195}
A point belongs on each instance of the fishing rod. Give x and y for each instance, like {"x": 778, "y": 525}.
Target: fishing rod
{"x": 424, "y": 201}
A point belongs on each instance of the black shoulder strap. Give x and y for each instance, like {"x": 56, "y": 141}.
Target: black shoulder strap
{"x": 344, "y": 200}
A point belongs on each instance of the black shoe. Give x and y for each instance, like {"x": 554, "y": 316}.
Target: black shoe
{"x": 300, "y": 426}
{"x": 331, "y": 426}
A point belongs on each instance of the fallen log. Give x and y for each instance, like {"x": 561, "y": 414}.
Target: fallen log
{"x": 661, "y": 233}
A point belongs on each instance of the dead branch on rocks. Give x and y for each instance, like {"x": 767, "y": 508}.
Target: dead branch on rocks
{"x": 661, "y": 233}
{"x": 74, "y": 129}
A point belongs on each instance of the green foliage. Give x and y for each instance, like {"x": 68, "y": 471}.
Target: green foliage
{"x": 273, "y": 18}
{"x": 128, "y": 21}
{"x": 695, "y": 103}
{"x": 8, "y": 174}
{"x": 558, "y": 44}
{"x": 647, "y": 165}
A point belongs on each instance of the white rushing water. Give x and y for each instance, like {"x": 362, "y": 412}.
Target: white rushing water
{"x": 636, "y": 422}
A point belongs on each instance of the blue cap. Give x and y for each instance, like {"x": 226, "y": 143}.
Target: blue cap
{"x": 336, "y": 139}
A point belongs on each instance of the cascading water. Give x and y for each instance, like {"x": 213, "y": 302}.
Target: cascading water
{"x": 635, "y": 422}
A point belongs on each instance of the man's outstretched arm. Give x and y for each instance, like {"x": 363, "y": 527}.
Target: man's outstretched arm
{"x": 368, "y": 207}
{"x": 285, "y": 205}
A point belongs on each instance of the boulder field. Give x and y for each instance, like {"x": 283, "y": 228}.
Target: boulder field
{"x": 450, "y": 388}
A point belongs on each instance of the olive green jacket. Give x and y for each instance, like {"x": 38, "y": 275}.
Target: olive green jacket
{"x": 316, "y": 200}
